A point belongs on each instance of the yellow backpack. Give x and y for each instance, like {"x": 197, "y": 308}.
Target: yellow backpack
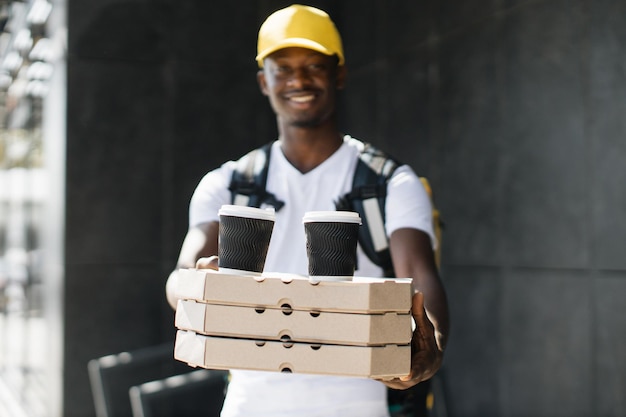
{"x": 437, "y": 223}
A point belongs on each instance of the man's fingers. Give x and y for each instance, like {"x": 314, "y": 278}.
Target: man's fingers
{"x": 422, "y": 321}
{"x": 418, "y": 305}
{"x": 210, "y": 262}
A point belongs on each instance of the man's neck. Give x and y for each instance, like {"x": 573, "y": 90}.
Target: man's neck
{"x": 306, "y": 148}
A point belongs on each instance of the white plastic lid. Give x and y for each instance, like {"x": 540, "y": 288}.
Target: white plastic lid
{"x": 248, "y": 212}
{"x": 331, "y": 216}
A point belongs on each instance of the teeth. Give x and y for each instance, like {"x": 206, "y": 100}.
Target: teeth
{"x": 302, "y": 99}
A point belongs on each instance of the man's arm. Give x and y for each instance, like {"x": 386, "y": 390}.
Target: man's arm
{"x": 413, "y": 257}
{"x": 200, "y": 242}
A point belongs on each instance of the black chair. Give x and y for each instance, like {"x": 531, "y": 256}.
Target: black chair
{"x": 112, "y": 376}
{"x": 195, "y": 394}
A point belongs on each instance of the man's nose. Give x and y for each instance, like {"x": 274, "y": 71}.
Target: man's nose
{"x": 300, "y": 78}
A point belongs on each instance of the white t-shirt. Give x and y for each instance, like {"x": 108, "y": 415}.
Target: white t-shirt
{"x": 274, "y": 394}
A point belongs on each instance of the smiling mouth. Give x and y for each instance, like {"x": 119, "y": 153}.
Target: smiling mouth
{"x": 302, "y": 99}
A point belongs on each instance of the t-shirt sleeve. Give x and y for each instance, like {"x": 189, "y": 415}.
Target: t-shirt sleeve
{"x": 210, "y": 194}
{"x": 408, "y": 204}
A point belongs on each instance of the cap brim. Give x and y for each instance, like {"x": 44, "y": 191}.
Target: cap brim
{"x": 294, "y": 43}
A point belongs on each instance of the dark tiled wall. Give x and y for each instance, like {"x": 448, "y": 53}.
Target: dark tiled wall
{"x": 158, "y": 93}
{"x": 513, "y": 109}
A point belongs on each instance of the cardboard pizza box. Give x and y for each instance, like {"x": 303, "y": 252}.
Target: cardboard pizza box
{"x": 380, "y": 362}
{"x": 275, "y": 290}
{"x": 294, "y": 325}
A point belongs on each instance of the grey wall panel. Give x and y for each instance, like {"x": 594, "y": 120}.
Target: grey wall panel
{"x": 607, "y": 144}
{"x": 406, "y": 28}
{"x": 544, "y": 132}
{"x": 117, "y": 121}
{"x": 547, "y": 343}
{"x": 407, "y": 121}
{"x": 454, "y": 15}
{"x": 470, "y": 156}
{"x": 360, "y": 32}
{"x": 108, "y": 309}
{"x": 113, "y": 30}
{"x": 474, "y": 356}
{"x": 358, "y": 113}
{"x": 609, "y": 335}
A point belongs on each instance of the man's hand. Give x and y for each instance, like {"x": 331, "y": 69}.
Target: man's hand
{"x": 426, "y": 349}
{"x": 209, "y": 262}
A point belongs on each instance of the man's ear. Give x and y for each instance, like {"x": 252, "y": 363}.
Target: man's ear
{"x": 260, "y": 77}
{"x": 341, "y": 77}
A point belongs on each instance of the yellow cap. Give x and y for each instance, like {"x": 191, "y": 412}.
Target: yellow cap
{"x": 299, "y": 26}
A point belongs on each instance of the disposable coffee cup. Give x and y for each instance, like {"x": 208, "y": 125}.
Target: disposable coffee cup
{"x": 244, "y": 238}
{"x": 331, "y": 241}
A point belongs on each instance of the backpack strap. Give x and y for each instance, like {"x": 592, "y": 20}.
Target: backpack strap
{"x": 247, "y": 185}
{"x": 369, "y": 191}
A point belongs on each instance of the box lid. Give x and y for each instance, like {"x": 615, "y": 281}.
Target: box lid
{"x": 294, "y": 325}
{"x": 380, "y": 362}
{"x": 276, "y": 290}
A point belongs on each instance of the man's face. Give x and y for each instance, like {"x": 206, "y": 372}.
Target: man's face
{"x": 301, "y": 85}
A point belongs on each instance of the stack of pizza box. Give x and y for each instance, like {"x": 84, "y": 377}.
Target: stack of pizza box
{"x": 287, "y": 323}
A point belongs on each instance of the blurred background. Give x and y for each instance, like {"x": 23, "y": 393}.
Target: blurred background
{"x": 112, "y": 110}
